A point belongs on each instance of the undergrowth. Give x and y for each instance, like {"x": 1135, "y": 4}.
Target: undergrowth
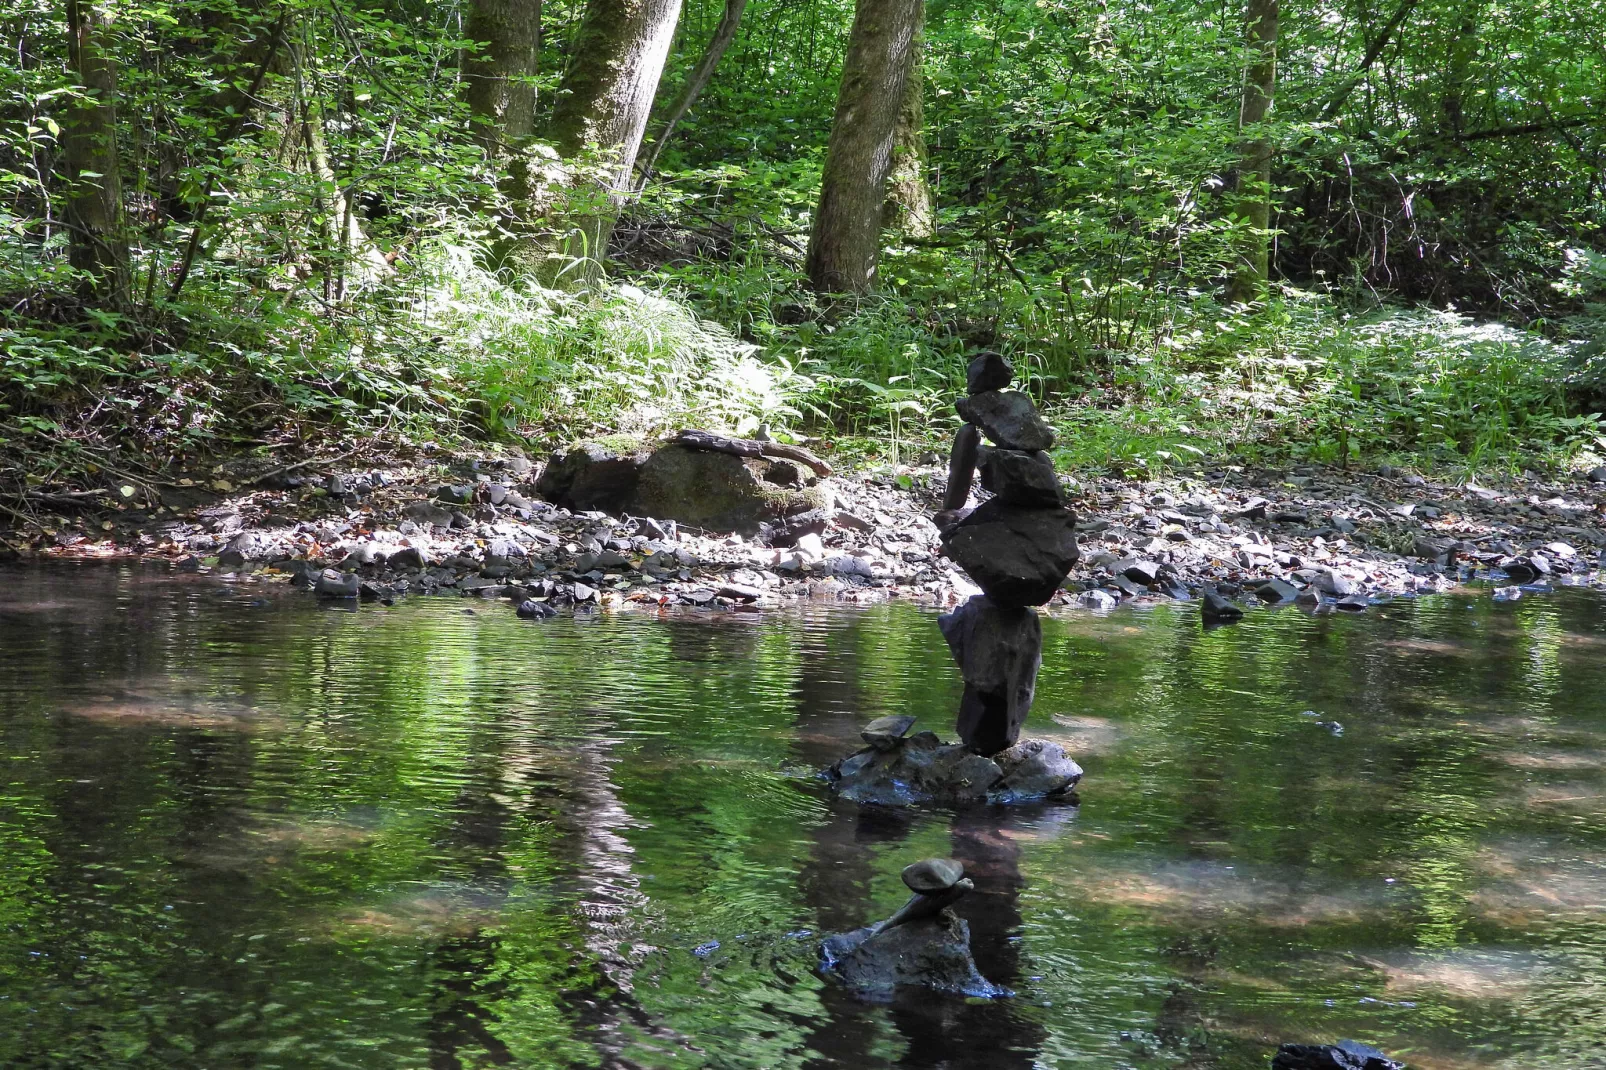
{"x": 446, "y": 352}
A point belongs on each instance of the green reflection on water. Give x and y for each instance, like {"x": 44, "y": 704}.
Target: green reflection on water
{"x": 236, "y": 830}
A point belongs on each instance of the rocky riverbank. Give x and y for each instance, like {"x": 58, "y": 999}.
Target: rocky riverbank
{"x": 1327, "y": 539}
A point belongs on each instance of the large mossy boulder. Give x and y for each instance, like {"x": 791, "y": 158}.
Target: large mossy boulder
{"x": 723, "y": 492}
{"x": 601, "y": 474}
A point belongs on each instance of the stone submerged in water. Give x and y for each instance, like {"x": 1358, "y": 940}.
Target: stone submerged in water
{"x": 1345, "y": 1055}
{"x": 999, "y": 651}
{"x": 931, "y": 952}
{"x": 1021, "y": 477}
{"x": 920, "y": 769}
{"x": 1018, "y": 556}
{"x": 1008, "y": 418}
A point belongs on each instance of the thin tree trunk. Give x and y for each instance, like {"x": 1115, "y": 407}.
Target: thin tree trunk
{"x": 90, "y": 160}
{"x": 499, "y": 79}
{"x": 1248, "y": 282}
{"x": 908, "y": 207}
{"x": 696, "y": 82}
{"x": 847, "y": 226}
{"x": 602, "y": 109}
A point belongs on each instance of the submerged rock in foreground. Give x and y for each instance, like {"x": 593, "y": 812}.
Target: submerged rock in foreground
{"x": 931, "y": 952}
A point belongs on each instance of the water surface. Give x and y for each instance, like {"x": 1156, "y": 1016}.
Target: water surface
{"x": 241, "y": 830}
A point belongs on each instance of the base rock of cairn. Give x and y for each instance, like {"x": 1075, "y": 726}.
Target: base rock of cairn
{"x": 932, "y": 952}
{"x": 911, "y": 770}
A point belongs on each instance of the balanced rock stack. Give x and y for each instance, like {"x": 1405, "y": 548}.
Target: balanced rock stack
{"x": 1018, "y": 546}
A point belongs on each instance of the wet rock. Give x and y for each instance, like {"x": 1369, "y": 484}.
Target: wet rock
{"x": 1098, "y": 600}
{"x": 1354, "y": 603}
{"x": 1020, "y": 477}
{"x": 718, "y": 491}
{"x": 1215, "y": 606}
{"x": 989, "y": 371}
{"x": 593, "y": 475}
{"x": 382, "y": 593}
{"x": 1137, "y": 570}
{"x": 1345, "y": 1055}
{"x": 1034, "y": 769}
{"x": 931, "y": 952}
{"x": 530, "y": 609}
{"x": 1277, "y": 592}
{"x": 1018, "y": 556}
{"x": 885, "y": 733}
{"x": 408, "y": 557}
{"x": 961, "y": 467}
{"x": 1008, "y": 418}
{"x": 999, "y": 650}
{"x": 332, "y": 583}
{"x": 1598, "y": 474}
{"x": 1525, "y": 569}
{"x": 919, "y": 769}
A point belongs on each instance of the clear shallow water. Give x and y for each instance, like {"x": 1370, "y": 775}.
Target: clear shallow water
{"x": 238, "y": 830}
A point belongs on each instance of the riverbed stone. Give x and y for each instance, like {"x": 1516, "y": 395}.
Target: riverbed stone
{"x": 930, "y": 952}
{"x": 999, "y": 650}
{"x": 1034, "y": 769}
{"x": 1021, "y": 477}
{"x": 1008, "y": 418}
{"x": 1345, "y": 1055}
{"x": 917, "y": 769}
{"x": 332, "y": 583}
{"x": 1017, "y": 556}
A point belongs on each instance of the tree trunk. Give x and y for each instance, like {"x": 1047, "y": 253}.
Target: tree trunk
{"x": 499, "y": 79}
{"x": 909, "y": 208}
{"x": 696, "y": 81}
{"x": 89, "y": 158}
{"x": 1248, "y": 282}
{"x": 847, "y": 226}
{"x": 602, "y": 109}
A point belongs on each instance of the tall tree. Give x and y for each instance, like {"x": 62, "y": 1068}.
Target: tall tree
{"x": 499, "y": 77}
{"x": 846, "y": 240}
{"x": 1253, "y": 208}
{"x": 89, "y": 154}
{"x": 696, "y": 81}
{"x": 909, "y": 208}
{"x": 601, "y": 114}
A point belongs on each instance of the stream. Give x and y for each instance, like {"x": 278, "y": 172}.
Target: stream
{"x": 238, "y": 829}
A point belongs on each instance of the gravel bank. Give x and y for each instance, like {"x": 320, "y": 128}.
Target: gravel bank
{"x": 1324, "y": 538}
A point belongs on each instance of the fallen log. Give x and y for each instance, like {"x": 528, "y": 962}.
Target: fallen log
{"x": 751, "y": 447}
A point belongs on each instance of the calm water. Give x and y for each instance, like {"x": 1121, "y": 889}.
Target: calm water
{"x": 238, "y": 830}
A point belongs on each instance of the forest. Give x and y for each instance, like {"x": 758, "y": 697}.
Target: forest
{"x": 1332, "y": 231}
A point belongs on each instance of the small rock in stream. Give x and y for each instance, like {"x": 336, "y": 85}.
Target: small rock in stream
{"x": 1345, "y": 1055}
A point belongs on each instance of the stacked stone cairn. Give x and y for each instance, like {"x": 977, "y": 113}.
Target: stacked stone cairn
{"x": 1018, "y": 547}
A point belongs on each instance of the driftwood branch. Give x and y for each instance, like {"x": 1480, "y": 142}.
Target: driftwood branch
{"x": 750, "y": 447}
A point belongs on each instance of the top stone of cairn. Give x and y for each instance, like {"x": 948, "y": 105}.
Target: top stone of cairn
{"x": 989, "y": 371}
